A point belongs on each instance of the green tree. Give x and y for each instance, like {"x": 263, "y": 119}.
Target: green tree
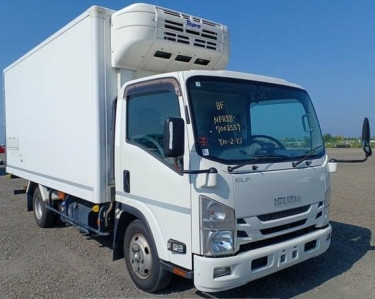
{"x": 327, "y": 138}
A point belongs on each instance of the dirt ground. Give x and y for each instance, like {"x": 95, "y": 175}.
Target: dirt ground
{"x": 61, "y": 262}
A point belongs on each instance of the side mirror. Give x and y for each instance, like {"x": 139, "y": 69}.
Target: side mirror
{"x": 174, "y": 145}
{"x": 174, "y": 137}
{"x": 366, "y": 138}
{"x": 365, "y": 145}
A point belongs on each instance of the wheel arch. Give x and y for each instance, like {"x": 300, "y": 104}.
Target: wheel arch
{"x": 31, "y": 186}
{"x": 125, "y": 214}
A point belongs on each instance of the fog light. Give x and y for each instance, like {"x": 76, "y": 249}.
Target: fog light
{"x": 222, "y": 271}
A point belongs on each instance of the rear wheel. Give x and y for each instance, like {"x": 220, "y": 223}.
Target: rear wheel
{"x": 43, "y": 217}
{"x": 142, "y": 259}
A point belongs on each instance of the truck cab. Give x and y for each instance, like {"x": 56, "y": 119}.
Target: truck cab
{"x": 234, "y": 181}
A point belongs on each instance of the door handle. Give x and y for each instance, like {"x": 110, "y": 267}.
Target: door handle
{"x": 126, "y": 181}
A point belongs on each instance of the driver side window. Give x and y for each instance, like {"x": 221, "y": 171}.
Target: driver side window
{"x": 146, "y": 114}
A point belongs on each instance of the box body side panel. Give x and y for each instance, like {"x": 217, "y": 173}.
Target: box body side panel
{"x": 56, "y": 101}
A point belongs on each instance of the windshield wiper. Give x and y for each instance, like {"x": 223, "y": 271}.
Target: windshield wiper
{"x": 305, "y": 157}
{"x": 256, "y": 158}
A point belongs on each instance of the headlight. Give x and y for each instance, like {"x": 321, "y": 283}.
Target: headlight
{"x": 217, "y": 226}
{"x": 221, "y": 241}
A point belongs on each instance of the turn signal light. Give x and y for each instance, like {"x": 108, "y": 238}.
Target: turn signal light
{"x": 179, "y": 272}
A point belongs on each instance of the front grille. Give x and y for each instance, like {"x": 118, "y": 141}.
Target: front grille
{"x": 283, "y": 214}
{"x": 280, "y": 228}
{"x": 242, "y": 234}
{"x": 276, "y": 240}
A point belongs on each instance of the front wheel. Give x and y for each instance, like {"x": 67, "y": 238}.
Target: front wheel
{"x": 43, "y": 217}
{"x": 142, "y": 259}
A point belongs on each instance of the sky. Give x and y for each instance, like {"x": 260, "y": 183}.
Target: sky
{"x": 326, "y": 46}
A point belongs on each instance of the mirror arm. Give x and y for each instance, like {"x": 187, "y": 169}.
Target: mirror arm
{"x": 209, "y": 170}
{"x": 333, "y": 160}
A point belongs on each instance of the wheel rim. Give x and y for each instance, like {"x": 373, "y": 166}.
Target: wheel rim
{"x": 38, "y": 207}
{"x": 140, "y": 256}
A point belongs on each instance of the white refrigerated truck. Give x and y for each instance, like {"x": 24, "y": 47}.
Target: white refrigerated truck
{"x": 125, "y": 124}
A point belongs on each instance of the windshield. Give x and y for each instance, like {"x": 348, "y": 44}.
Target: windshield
{"x": 238, "y": 120}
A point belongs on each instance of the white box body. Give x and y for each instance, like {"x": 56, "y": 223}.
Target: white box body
{"x": 58, "y": 108}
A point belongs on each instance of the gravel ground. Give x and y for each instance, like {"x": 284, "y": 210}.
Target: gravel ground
{"x": 63, "y": 263}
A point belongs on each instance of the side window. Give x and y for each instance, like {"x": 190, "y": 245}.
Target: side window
{"x": 146, "y": 114}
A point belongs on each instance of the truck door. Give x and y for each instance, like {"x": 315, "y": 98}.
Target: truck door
{"x": 146, "y": 179}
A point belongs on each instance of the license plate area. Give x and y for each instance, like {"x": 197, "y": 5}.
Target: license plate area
{"x": 287, "y": 256}
{"x": 284, "y": 257}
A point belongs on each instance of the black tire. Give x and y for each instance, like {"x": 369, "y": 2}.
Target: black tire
{"x": 43, "y": 217}
{"x": 142, "y": 260}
